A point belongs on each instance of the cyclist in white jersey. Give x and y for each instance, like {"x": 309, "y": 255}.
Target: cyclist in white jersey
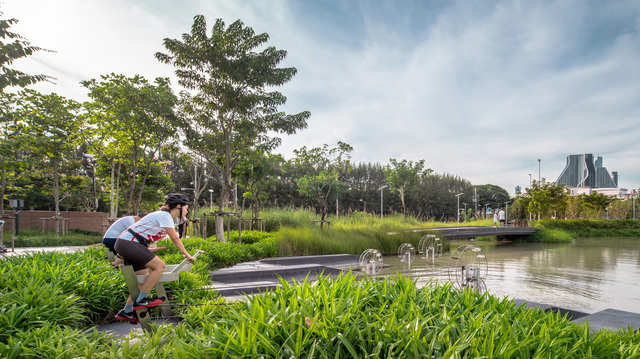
{"x": 132, "y": 246}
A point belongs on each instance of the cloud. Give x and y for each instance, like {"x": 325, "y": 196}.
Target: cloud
{"x": 477, "y": 89}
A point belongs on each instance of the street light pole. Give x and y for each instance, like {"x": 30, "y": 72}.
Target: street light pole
{"x": 530, "y": 180}
{"x": 506, "y": 213}
{"x": 458, "y": 212}
{"x": 539, "y": 172}
{"x": 381, "y": 207}
{"x": 210, "y": 199}
{"x": 475, "y": 199}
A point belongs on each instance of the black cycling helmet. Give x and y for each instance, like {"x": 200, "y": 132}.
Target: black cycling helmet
{"x": 174, "y": 199}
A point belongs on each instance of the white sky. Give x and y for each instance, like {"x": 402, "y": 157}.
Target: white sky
{"x": 479, "y": 90}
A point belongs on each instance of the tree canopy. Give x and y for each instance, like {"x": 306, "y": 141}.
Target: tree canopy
{"x": 233, "y": 105}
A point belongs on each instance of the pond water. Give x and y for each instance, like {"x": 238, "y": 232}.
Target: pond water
{"x": 588, "y": 275}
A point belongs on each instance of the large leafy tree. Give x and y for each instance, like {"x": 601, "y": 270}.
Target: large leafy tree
{"x": 52, "y": 125}
{"x": 10, "y": 135}
{"x": 232, "y": 104}
{"x": 598, "y": 202}
{"x": 324, "y": 166}
{"x": 258, "y": 174}
{"x": 545, "y": 198}
{"x": 14, "y": 47}
{"x": 403, "y": 176}
{"x": 135, "y": 118}
{"x": 491, "y": 195}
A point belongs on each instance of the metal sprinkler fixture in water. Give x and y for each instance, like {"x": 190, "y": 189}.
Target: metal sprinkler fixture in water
{"x": 370, "y": 261}
{"x": 431, "y": 247}
{"x": 468, "y": 268}
{"x": 405, "y": 252}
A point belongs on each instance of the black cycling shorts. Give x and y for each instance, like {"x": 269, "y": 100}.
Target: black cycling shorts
{"x": 134, "y": 253}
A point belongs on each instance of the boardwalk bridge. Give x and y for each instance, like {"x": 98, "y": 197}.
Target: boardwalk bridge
{"x": 465, "y": 232}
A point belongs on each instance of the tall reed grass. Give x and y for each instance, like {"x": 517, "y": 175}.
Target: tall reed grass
{"x": 276, "y": 218}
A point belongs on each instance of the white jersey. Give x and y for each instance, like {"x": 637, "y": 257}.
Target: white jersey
{"x": 501, "y": 215}
{"x": 152, "y": 227}
{"x": 119, "y": 226}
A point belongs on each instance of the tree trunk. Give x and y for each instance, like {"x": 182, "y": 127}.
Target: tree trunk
{"x": 3, "y": 186}
{"x": 404, "y": 208}
{"x": 117, "y": 189}
{"x": 323, "y": 214}
{"x": 112, "y": 194}
{"x": 56, "y": 194}
{"x": 144, "y": 181}
{"x": 132, "y": 180}
{"x": 222, "y": 200}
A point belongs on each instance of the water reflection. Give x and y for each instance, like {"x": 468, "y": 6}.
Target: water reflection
{"x": 588, "y": 275}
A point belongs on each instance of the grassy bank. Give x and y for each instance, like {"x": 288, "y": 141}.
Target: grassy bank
{"x": 345, "y": 318}
{"x": 559, "y": 230}
{"x": 594, "y": 227}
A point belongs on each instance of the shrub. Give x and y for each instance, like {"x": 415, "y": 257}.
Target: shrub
{"x": 594, "y": 227}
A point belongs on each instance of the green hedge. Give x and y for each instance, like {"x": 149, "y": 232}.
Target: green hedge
{"x": 224, "y": 254}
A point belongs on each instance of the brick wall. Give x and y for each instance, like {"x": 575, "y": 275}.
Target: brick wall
{"x": 88, "y": 221}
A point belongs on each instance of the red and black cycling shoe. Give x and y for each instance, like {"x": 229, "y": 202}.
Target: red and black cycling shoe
{"x": 147, "y": 302}
{"x": 127, "y": 316}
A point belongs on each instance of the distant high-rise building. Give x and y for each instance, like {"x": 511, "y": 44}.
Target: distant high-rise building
{"x": 582, "y": 171}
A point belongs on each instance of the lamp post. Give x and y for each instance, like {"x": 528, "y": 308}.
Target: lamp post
{"x": 539, "y": 173}
{"x": 458, "y": 212}
{"x": 465, "y": 210}
{"x": 530, "y": 180}
{"x": 475, "y": 201}
{"x": 381, "y": 188}
{"x": 506, "y": 213}
{"x": 18, "y": 206}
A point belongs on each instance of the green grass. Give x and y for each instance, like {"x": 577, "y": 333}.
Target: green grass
{"x": 34, "y": 238}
